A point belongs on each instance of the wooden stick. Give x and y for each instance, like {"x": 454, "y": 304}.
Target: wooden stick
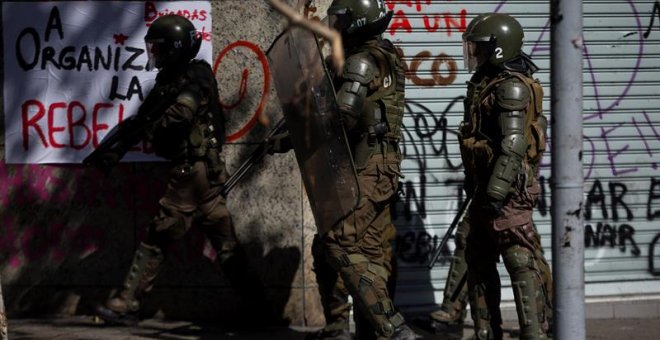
{"x": 328, "y": 33}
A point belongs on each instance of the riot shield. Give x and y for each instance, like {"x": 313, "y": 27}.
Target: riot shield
{"x": 314, "y": 123}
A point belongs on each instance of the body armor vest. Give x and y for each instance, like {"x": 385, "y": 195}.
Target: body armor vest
{"x": 480, "y": 135}
{"x": 381, "y": 118}
{"x": 390, "y": 95}
{"x": 206, "y": 134}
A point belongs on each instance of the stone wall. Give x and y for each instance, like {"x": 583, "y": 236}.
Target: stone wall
{"x": 68, "y": 233}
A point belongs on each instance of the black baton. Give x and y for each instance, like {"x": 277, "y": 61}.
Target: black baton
{"x": 450, "y": 230}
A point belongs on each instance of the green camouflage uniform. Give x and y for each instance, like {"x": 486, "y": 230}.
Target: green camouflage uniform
{"x": 502, "y": 141}
{"x": 334, "y": 295}
{"x": 189, "y": 134}
{"x": 354, "y": 248}
{"x": 448, "y": 320}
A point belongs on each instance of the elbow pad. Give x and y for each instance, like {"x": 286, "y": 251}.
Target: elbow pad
{"x": 350, "y": 98}
{"x": 512, "y": 126}
{"x": 513, "y": 150}
{"x": 505, "y": 172}
{"x": 359, "y": 72}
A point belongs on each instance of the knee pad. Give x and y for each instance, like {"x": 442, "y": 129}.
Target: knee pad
{"x": 357, "y": 265}
{"x": 518, "y": 259}
{"x": 359, "y": 276}
{"x": 528, "y": 291}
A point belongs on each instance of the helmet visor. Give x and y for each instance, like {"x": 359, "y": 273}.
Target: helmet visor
{"x": 152, "y": 54}
{"x": 476, "y": 53}
{"x": 470, "y": 58}
{"x": 339, "y": 21}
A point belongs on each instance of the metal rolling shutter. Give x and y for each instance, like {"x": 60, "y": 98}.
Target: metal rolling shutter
{"x": 621, "y": 145}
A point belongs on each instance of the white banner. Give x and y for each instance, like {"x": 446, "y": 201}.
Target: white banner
{"x": 73, "y": 70}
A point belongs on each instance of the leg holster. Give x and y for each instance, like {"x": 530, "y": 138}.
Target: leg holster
{"x": 366, "y": 282}
{"x": 143, "y": 271}
{"x": 528, "y": 291}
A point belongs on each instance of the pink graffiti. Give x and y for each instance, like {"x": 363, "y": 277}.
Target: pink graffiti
{"x": 32, "y": 195}
{"x": 50, "y": 243}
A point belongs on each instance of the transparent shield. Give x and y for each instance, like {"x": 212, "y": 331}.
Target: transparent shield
{"x": 317, "y": 134}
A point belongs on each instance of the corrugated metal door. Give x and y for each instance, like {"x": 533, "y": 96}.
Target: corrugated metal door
{"x": 621, "y": 138}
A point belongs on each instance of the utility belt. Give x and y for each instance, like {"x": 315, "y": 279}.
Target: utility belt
{"x": 215, "y": 165}
{"x": 369, "y": 145}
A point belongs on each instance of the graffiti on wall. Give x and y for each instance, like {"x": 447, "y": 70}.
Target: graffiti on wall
{"x": 619, "y": 209}
{"x": 426, "y": 68}
{"x": 614, "y": 218}
{"x": 610, "y": 218}
{"x": 444, "y": 22}
{"x": 233, "y": 101}
{"x": 25, "y": 187}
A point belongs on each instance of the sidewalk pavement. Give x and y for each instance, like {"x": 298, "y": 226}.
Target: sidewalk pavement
{"x": 87, "y": 328}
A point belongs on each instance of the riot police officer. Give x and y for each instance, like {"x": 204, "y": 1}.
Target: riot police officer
{"x": 449, "y": 318}
{"x": 370, "y": 97}
{"x": 189, "y": 132}
{"x": 334, "y": 295}
{"x": 502, "y": 140}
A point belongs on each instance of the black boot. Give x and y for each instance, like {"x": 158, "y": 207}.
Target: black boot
{"x": 447, "y": 324}
{"x": 325, "y": 334}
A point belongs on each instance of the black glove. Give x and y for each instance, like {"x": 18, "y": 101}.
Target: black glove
{"x": 280, "y": 143}
{"x": 493, "y": 207}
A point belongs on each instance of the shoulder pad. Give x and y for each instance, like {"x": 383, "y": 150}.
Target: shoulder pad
{"x": 512, "y": 94}
{"x": 360, "y": 67}
{"x": 200, "y": 73}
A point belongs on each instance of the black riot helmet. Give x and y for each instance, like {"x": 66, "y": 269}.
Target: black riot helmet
{"x": 492, "y": 37}
{"x": 171, "y": 40}
{"x": 359, "y": 19}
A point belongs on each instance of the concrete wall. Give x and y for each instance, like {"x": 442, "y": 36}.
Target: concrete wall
{"x": 68, "y": 233}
